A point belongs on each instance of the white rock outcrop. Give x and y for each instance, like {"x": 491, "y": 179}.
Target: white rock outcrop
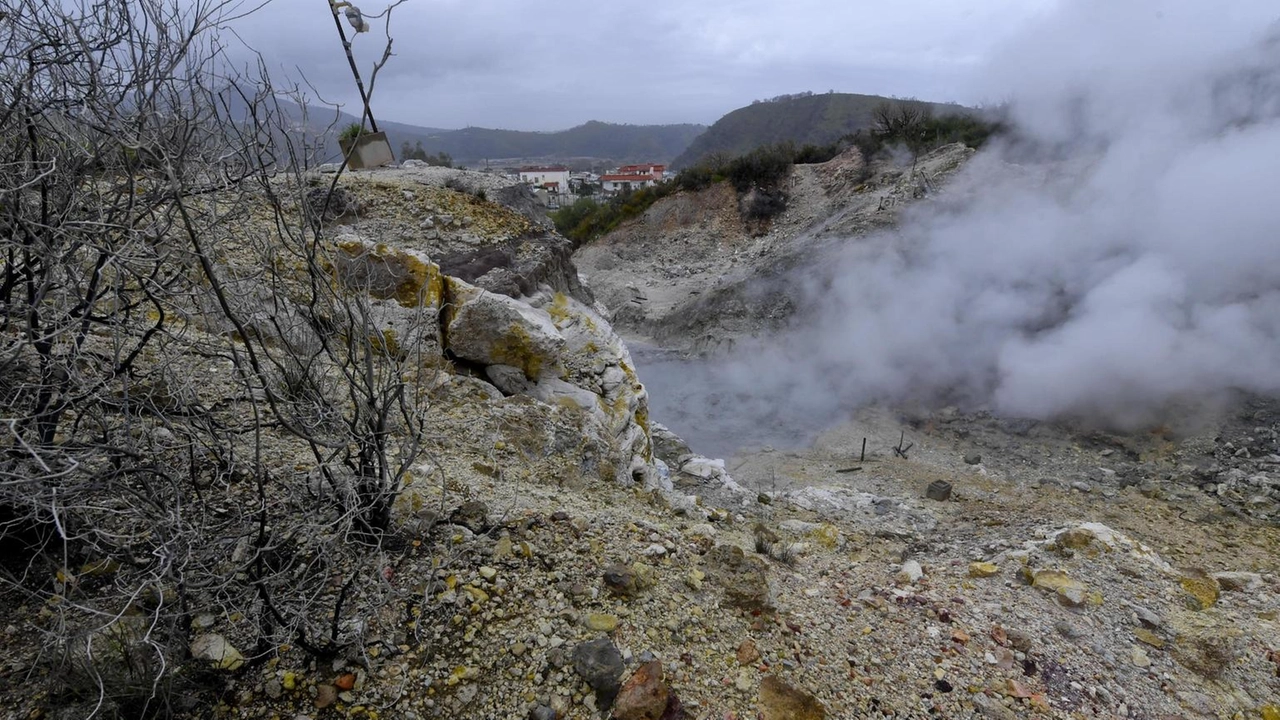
{"x": 549, "y": 347}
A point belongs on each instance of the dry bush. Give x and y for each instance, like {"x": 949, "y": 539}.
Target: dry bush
{"x": 200, "y": 429}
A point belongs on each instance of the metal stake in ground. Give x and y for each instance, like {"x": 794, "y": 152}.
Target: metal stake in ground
{"x": 901, "y": 450}
{"x": 355, "y": 72}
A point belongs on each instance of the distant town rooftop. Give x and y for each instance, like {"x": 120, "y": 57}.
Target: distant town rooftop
{"x": 628, "y": 177}
{"x": 652, "y": 167}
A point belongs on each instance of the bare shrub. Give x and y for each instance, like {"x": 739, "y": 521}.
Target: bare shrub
{"x": 197, "y": 421}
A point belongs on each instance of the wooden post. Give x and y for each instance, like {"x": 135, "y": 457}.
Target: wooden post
{"x": 863, "y": 457}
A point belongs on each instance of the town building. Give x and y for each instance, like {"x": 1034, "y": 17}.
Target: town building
{"x": 553, "y": 178}
{"x": 632, "y": 177}
{"x": 579, "y": 180}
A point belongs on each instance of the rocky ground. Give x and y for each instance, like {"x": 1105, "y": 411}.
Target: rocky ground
{"x": 841, "y": 593}
{"x": 552, "y": 563}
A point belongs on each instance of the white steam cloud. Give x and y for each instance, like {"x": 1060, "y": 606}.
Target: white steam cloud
{"x": 1131, "y": 269}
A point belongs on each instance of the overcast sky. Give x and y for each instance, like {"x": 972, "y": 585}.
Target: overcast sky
{"x": 547, "y": 66}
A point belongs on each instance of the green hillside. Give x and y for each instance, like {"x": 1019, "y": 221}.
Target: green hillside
{"x": 801, "y": 119}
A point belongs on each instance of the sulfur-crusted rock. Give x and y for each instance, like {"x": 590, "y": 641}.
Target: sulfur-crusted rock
{"x": 646, "y": 577}
{"x": 406, "y": 276}
{"x": 744, "y": 579}
{"x": 596, "y": 359}
{"x": 601, "y": 622}
{"x": 1148, "y": 637}
{"x": 1200, "y": 590}
{"x": 982, "y": 569}
{"x": 1069, "y": 591}
{"x": 406, "y": 292}
{"x": 215, "y": 649}
{"x": 561, "y": 352}
{"x": 591, "y": 409}
{"x": 1207, "y": 649}
{"x": 780, "y": 701}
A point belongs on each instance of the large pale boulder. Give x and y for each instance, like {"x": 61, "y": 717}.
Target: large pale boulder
{"x": 509, "y": 379}
{"x": 492, "y": 329}
{"x": 562, "y": 352}
{"x": 553, "y": 391}
{"x": 404, "y": 332}
{"x": 704, "y": 468}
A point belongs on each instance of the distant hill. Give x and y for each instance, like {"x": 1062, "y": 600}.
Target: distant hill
{"x": 803, "y": 118}
{"x": 621, "y": 143}
{"x": 606, "y": 141}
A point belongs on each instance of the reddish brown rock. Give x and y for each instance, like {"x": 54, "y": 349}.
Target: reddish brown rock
{"x": 644, "y": 695}
{"x": 748, "y": 653}
{"x": 345, "y": 682}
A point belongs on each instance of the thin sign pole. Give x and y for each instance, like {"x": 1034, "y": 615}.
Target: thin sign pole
{"x": 373, "y": 125}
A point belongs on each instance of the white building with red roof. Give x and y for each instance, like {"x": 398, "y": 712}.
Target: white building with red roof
{"x": 632, "y": 177}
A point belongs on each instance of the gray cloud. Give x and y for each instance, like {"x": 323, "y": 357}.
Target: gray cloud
{"x": 520, "y": 65}
{"x": 1134, "y": 280}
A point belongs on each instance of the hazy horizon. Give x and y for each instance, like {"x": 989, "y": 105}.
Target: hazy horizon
{"x": 508, "y": 65}
{"x": 588, "y": 121}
